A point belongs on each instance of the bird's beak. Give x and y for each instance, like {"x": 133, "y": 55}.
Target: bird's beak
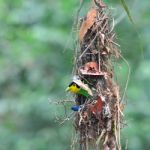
{"x": 67, "y": 89}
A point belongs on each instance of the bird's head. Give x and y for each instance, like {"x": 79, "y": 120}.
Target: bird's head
{"x": 73, "y": 87}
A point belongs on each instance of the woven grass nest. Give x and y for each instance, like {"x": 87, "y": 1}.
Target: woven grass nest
{"x": 99, "y": 119}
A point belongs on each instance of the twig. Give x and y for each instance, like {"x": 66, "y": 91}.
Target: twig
{"x": 99, "y": 138}
{"x": 60, "y": 102}
{"x": 88, "y": 46}
{"x": 128, "y": 77}
{"x": 70, "y": 116}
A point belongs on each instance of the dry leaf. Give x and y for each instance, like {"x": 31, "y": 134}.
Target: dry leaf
{"x": 90, "y": 68}
{"x": 102, "y": 38}
{"x": 87, "y": 24}
{"x": 97, "y": 106}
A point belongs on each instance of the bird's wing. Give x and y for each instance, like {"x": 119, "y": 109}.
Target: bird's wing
{"x": 83, "y": 86}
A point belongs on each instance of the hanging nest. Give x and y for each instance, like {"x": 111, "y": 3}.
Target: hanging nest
{"x": 99, "y": 118}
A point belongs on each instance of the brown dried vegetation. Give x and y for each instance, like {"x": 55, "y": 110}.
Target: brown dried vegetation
{"x": 98, "y": 122}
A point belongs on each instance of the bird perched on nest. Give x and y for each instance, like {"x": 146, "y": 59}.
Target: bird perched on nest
{"x": 78, "y": 87}
{"x": 76, "y": 108}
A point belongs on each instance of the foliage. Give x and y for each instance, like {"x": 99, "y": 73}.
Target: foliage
{"x": 36, "y": 58}
{"x": 125, "y": 6}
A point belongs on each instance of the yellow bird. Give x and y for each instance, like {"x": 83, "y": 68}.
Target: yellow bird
{"x": 73, "y": 87}
{"x": 78, "y": 87}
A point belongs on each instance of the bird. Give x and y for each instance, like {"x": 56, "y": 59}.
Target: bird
{"x": 75, "y": 108}
{"x": 78, "y": 87}
{"x": 80, "y": 99}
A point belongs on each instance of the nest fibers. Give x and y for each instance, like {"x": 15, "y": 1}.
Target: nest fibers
{"x": 98, "y": 122}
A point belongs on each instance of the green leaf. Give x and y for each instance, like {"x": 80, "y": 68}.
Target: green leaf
{"x": 127, "y": 10}
{"x": 131, "y": 19}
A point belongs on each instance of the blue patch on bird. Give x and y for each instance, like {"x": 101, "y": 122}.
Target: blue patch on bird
{"x": 75, "y": 108}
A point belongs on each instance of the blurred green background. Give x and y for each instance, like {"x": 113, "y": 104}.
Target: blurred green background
{"x": 36, "y": 60}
